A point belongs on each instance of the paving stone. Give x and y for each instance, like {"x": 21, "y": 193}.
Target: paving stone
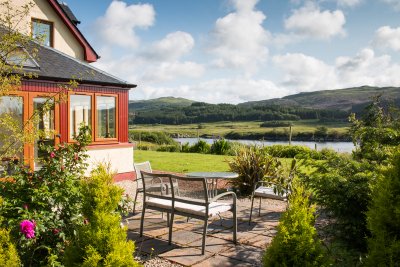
{"x": 186, "y": 256}
{"x": 221, "y": 261}
{"x": 154, "y": 246}
{"x": 260, "y": 241}
{"x": 245, "y": 253}
{"x": 182, "y": 237}
{"x": 214, "y": 245}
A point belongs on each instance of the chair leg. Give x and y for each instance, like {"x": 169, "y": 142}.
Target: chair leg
{"x": 168, "y": 222}
{"x": 134, "y": 202}
{"x": 251, "y": 209}
{"x": 203, "y": 245}
{"x": 234, "y": 225}
{"x": 170, "y": 229}
{"x": 259, "y": 209}
{"x": 142, "y": 221}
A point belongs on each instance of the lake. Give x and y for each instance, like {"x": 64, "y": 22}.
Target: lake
{"x": 337, "y": 146}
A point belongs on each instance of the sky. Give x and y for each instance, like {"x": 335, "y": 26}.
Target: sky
{"x": 233, "y": 51}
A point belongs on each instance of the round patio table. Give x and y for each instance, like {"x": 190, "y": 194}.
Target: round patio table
{"x": 214, "y": 177}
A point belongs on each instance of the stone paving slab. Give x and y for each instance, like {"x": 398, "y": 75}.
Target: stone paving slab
{"x": 221, "y": 261}
{"x": 186, "y": 256}
{"x": 245, "y": 253}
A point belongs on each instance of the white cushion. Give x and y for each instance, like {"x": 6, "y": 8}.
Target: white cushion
{"x": 268, "y": 192}
{"x": 214, "y": 208}
{"x": 159, "y": 203}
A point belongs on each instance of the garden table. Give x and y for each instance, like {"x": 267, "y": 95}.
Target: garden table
{"x": 214, "y": 177}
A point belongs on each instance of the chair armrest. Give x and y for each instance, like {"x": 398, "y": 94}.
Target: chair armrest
{"x": 225, "y": 194}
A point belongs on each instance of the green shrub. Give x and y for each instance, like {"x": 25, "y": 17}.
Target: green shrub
{"x": 8, "y": 252}
{"x": 159, "y": 138}
{"x": 221, "y": 147}
{"x": 200, "y": 147}
{"x": 169, "y": 148}
{"x": 296, "y": 242}
{"x": 100, "y": 241}
{"x": 384, "y": 218}
{"x": 287, "y": 151}
{"x": 49, "y": 200}
{"x": 185, "y": 148}
{"x": 253, "y": 164}
{"x": 341, "y": 187}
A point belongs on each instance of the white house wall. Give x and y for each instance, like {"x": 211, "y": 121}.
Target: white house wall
{"x": 120, "y": 159}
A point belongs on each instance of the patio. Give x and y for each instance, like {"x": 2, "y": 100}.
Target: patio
{"x": 220, "y": 251}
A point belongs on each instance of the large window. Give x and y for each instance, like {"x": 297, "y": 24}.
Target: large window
{"x": 80, "y": 112}
{"x": 43, "y": 31}
{"x": 106, "y": 117}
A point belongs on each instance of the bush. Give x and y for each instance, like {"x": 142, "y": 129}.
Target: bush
{"x": 200, "y": 147}
{"x": 253, "y": 164}
{"x": 296, "y": 242}
{"x": 47, "y": 202}
{"x": 159, "y": 138}
{"x": 100, "y": 241}
{"x": 384, "y": 217}
{"x": 341, "y": 187}
{"x": 286, "y": 151}
{"x": 221, "y": 147}
{"x": 169, "y": 148}
{"x": 8, "y": 252}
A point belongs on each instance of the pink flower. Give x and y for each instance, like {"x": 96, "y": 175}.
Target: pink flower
{"x": 52, "y": 154}
{"x": 25, "y": 206}
{"x": 28, "y": 228}
{"x": 56, "y": 231}
{"x": 86, "y": 221}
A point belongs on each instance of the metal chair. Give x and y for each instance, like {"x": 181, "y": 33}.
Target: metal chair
{"x": 143, "y": 166}
{"x": 155, "y": 196}
{"x": 194, "y": 202}
{"x": 265, "y": 192}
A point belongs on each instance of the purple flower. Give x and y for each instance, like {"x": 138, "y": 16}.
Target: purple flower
{"x": 28, "y": 228}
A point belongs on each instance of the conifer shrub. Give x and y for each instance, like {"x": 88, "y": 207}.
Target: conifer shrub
{"x": 8, "y": 253}
{"x": 383, "y": 218}
{"x": 101, "y": 241}
{"x": 296, "y": 242}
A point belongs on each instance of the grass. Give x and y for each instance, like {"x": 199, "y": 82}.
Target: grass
{"x": 183, "y": 162}
{"x": 188, "y": 162}
{"x": 222, "y": 128}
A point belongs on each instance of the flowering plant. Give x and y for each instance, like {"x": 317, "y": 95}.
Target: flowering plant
{"x": 45, "y": 205}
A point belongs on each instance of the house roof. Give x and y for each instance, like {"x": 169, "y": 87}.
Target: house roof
{"x": 57, "y": 66}
{"x": 90, "y": 53}
{"x": 69, "y": 12}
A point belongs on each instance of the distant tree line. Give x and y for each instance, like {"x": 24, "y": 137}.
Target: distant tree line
{"x": 200, "y": 112}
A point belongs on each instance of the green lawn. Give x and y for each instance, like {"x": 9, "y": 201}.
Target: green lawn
{"x": 187, "y": 162}
{"x": 182, "y": 162}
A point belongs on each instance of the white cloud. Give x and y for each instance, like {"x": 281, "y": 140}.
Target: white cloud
{"x": 172, "y": 47}
{"x": 168, "y": 71}
{"x": 367, "y": 69}
{"x": 304, "y": 73}
{"x": 239, "y": 40}
{"x": 387, "y": 37}
{"x": 349, "y": 3}
{"x": 118, "y": 25}
{"x": 394, "y": 3}
{"x": 217, "y": 91}
{"x": 310, "y": 21}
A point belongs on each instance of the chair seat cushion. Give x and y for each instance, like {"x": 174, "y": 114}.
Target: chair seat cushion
{"x": 159, "y": 203}
{"x": 214, "y": 208}
{"x": 268, "y": 192}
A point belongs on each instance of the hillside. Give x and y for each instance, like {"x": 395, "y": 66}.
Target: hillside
{"x": 328, "y": 105}
{"x": 350, "y": 99}
{"x": 159, "y": 103}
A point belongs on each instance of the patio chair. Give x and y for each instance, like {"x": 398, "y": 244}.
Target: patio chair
{"x": 263, "y": 191}
{"x": 143, "y": 166}
{"x": 155, "y": 196}
{"x": 194, "y": 202}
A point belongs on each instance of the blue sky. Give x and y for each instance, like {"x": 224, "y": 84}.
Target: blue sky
{"x": 232, "y": 51}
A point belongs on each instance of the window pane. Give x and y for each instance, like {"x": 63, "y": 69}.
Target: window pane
{"x": 80, "y": 112}
{"x": 45, "y": 125}
{"x": 43, "y": 31}
{"x": 106, "y": 117}
{"x": 11, "y": 107}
